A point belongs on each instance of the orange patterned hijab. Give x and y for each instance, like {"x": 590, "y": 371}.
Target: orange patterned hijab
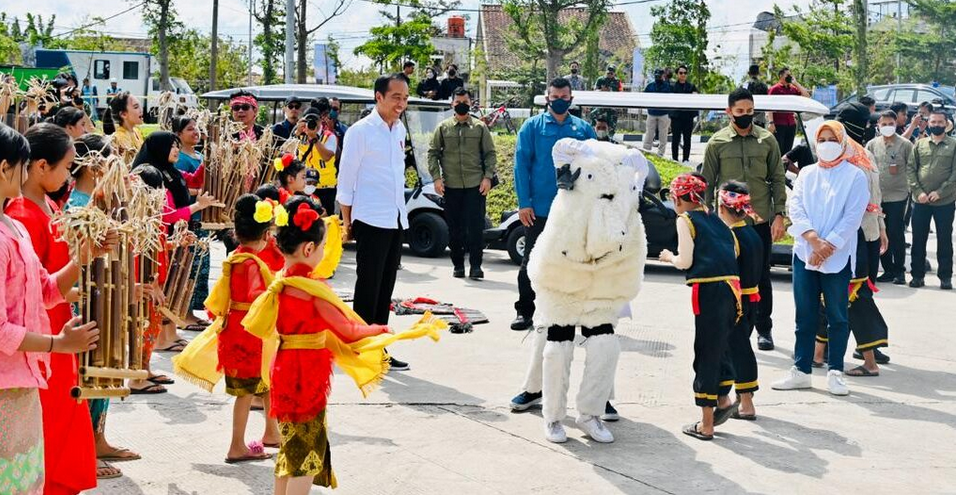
{"x": 853, "y": 152}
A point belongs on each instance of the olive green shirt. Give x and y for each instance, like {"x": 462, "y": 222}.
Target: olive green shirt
{"x": 933, "y": 168}
{"x": 462, "y": 153}
{"x": 753, "y": 159}
{"x": 894, "y": 187}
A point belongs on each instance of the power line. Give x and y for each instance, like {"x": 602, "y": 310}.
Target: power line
{"x": 100, "y": 21}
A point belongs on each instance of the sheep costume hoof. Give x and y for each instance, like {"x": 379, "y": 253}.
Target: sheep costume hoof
{"x": 586, "y": 266}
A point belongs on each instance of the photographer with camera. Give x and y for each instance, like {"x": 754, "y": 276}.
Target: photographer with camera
{"x": 317, "y": 145}
{"x": 784, "y": 124}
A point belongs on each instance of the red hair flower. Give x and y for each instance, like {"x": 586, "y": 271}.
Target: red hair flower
{"x": 305, "y": 216}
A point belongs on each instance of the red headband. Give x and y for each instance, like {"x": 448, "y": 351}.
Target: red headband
{"x": 737, "y": 202}
{"x": 245, "y": 99}
{"x": 688, "y": 185}
{"x": 305, "y": 216}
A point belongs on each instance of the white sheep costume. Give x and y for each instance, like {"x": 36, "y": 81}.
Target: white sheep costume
{"x": 586, "y": 265}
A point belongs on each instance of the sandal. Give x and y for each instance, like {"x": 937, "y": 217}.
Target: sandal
{"x": 174, "y": 347}
{"x": 722, "y": 415}
{"x": 120, "y": 455}
{"x": 692, "y": 430}
{"x": 161, "y": 380}
{"x": 861, "y": 371}
{"x": 105, "y": 471}
{"x": 149, "y": 390}
{"x": 745, "y": 417}
{"x": 195, "y": 327}
{"x": 256, "y": 453}
{"x": 817, "y": 364}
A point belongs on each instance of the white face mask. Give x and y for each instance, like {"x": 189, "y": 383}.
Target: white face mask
{"x": 829, "y": 151}
{"x": 887, "y": 130}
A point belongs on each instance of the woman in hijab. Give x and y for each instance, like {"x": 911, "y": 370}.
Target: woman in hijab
{"x": 161, "y": 150}
{"x": 428, "y": 87}
{"x": 826, "y": 208}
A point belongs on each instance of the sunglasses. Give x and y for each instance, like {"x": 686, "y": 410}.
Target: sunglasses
{"x": 243, "y": 107}
{"x": 294, "y": 106}
{"x": 680, "y": 73}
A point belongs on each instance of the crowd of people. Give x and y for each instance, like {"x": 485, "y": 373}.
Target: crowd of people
{"x": 848, "y": 211}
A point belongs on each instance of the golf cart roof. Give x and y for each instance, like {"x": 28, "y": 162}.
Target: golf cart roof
{"x": 681, "y": 101}
{"x": 279, "y": 92}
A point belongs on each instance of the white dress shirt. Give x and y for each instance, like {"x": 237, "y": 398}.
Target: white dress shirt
{"x": 830, "y": 201}
{"x": 372, "y": 173}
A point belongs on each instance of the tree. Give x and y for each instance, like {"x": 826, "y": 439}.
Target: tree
{"x": 359, "y": 78}
{"x": 160, "y": 17}
{"x": 191, "y": 57}
{"x": 303, "y": 32}
{"x": 389, "y": 45}
{"x": 542, "y": 31}
{"x": 679, "y": 36}
{"x": 270, "y": 14}
{"x": 860, "y": 19}
{"x": 937, "y": 43}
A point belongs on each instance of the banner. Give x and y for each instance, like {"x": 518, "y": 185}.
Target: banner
{"x": 826, "y": 95}
{"x": 637, "y": 71}
{"x": 324, "y": 67}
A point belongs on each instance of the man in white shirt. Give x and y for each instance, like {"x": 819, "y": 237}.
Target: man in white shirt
{"x": 371, "y": 194}
{"x": 826, "y": 210}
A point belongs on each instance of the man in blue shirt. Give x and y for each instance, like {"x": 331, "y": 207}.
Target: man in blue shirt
{"x": 536, "y": 185}
{"x": 658, "y": 121}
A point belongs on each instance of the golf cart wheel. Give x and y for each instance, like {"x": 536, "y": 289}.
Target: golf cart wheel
{"x": 516, "y": 240}
{"x": 428, "y": 235}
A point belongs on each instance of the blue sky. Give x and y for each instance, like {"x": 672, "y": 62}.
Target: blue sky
{"x": 729, "y": 23}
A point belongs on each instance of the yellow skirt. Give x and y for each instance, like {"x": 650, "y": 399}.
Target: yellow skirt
{"x": 305, "y": 451}
{"x": 238, "y": 387}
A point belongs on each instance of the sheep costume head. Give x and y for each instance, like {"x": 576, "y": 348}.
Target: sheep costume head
{"x": 588, "y": 262}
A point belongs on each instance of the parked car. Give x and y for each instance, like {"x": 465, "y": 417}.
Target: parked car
{"x": 427, "y": 233}
{"x": 911, "y": 94}
{"x": 657, "y": 211}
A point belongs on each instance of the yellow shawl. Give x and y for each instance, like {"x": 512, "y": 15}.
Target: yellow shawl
{"x": 332, "y": 253}
{"x": 198, "y": 362}
{"x": 364, "y": 360}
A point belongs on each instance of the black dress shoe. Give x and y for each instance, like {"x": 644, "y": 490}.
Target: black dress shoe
{"x": 458, "y": 273}
{"x": 900, "y": 280}
{"x": 886, "y": 277}
{"x": 765, "y": 342}
{"x": 916, "y": 283}
{"x": 476, "y": 274}
{"x": 521, "y": 322}
{"x": 397, "y": 365}
{"x": 946, "y": 284}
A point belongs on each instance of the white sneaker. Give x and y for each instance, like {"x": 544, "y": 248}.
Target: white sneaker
{"x": 554, "y": 432}
{"x": 595, "y": 429}
{"x": 795, "y": 380}
{"x": 836, "y": 384}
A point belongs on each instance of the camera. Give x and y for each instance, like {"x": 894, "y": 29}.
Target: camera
{"x": 312, "y": 121}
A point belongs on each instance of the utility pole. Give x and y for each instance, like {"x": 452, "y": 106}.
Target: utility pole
{"x": 250, "y": 41}
{"x": 289, "y": 41}
{"x": 214, "y": 50}
{"x": 899, "y": 32}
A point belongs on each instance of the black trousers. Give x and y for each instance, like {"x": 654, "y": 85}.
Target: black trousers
{"x": 873, "y": 259}
{"x": 942, "y": 217}
{"x": 764, "y": 320}
{"x": 525, "y": 303}
{"x": 378, "y": 253}
{"x": 894, "y": 258}
{"x": 865, "y": 320}
{"x": 742, "y": 366}
{"x": 681, "y": 128}
{"x": 713, "y": 325}
{"x": 465, "y": 214}
{"x": 327, "y": 199}
{"x": 785, "y": 135}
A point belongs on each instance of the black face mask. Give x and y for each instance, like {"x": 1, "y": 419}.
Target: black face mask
{"x": 935, "y": 130}
{"x": 743, "y": 121}
{"x": 461, "y": 108}
{"x": 452, "y": 73}
{"x": 574, "y": 71}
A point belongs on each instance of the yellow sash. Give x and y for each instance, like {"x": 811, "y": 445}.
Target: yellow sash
{"x": 332, "y": 253}
{"x": 364, "y": 360}
{"x": 198, "y": 362}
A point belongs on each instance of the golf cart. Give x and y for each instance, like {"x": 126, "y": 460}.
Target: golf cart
{"x": 427, "y": 234}
{"x": 655, "y": 207}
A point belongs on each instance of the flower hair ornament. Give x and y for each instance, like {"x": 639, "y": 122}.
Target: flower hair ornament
{"x": 738, "y": 202}
{"x": 280, "y": 163}
{"x": 281, "y": 215}
{"x": 264, "y": 211}
{"x": 689, "y": 185}
{"x": 305, "y": 216}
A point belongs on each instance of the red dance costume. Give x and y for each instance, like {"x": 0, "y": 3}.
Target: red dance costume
{"x": 240, "y": 352}
{"x": 272, "y": 256}
{"x": 302, "y": 378}
{"x": 69, "y": 452}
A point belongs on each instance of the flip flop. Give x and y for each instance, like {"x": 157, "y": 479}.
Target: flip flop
{"x": 103, "y": 465}
{"x": 256, "y": 453}
{"x": 195, "y": 327}
{"x": 271, "y": 445}
{"x": 116, "y": 456}
{"x": 691, "y": 430}
{"x": 722, "y": 415}
{"x": 861, "y": 371}
{"x": 817, "y": 364}
{"x": 161, "y": 380}
{"x": 745, "y": 417}
{"x": 175, "y": 347}
{"x": 149, "y": 390}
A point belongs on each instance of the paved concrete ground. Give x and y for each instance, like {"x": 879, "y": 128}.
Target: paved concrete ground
{"x": 445, "y": 427}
